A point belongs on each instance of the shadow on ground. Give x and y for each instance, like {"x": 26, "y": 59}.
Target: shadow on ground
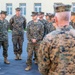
{"x": 16, "y": 67}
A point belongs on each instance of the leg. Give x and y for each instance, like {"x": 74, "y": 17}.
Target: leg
{"x": 20, "y": 44}
{"x": 5, "y": 49}
{"x": 30, "y": 54}
{"x": 36, "y": 52}
{"x": 15, "y": 39}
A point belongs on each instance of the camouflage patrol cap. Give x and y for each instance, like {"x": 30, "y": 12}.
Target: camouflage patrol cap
{"x": 62, "y": 8}
{"x": 72, "y": 13}
{"x": 49, "y": 14}
{"x": 34, "y": 13}
{"x": 41, "y": 13}
{"x": 4, "y": 12}
{"x": 18, "y": 9}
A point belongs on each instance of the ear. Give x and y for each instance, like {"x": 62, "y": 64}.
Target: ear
{"x": 56, "y": 20}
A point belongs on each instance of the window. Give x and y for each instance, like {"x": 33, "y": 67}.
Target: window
{"x": 73, "y": 7}
{"x": 9, "y": 8}
{"x": 23, "y": 8}
{"x": 37, "y": 7}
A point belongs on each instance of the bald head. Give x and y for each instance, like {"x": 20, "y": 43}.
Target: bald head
{"x": 63, "y": 18}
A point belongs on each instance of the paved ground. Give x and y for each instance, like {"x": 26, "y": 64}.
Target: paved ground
{"x": 16, "y": 67}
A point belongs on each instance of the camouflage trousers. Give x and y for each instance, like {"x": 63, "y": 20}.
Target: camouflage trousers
{"x": 32, "y": 48}
{"x": 17, "y": 44}
{"x": 4, "y": 44}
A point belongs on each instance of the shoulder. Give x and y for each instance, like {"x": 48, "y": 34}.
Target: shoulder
{"x": 23, "y": 17}
{"x": 13, "y": 17}
{"x": 51, "y": 35}
{"x": 6, "y": 20}
{"x": 40, "y": 23}
{"x": 72, "y": 32}
{"x": 29, "y": 23}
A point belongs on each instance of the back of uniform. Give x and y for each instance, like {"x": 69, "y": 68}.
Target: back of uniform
{"x": 57, "y": 53}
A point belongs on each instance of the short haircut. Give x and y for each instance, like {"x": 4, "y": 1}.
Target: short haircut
{"x": 63, "y": 16}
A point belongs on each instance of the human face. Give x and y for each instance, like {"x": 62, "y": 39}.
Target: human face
{"x": 3, "y": 16}
{"x": 40, "y": 16}
{"x": 47, "y": 17}
{"x": 18, "y": 13}
{"x": 34, "y": 17}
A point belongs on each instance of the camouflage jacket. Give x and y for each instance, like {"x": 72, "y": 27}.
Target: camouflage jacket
{"x": 44, "y": 22}
{"x": 17, "y": 25}
{"x": 49, "y": 27}
{"x": 56, "y": 54}
{"x": 4, "y": 25}
{"x": 35, "y": 30}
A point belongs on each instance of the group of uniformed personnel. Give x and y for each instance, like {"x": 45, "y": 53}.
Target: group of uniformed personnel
{"x": 52, "y": 41}
{"x": 17, "y": 24}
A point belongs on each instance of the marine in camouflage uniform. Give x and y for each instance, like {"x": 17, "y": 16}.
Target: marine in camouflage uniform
{"x": 73, "y": 19}
{"x": 56, "y": 54}
{"x": 43, "y": 21}
{"x": 49, "y": 26}
{"x": 35, "y": 31}
{"x": 4, "y": 25}
{"x": 17, "y": 25}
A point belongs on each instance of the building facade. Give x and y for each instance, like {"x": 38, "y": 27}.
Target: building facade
{"x": 27, "y": 6}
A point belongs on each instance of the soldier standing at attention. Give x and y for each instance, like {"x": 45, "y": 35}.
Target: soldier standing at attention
{"x": 17, "y": 25}
{"x": 49, "y": 26}
{"x": 56, "y": 54}
{"x": 43, "y": 21}
{"x": 35, "y": 31}
{"x": 4, "y": 35}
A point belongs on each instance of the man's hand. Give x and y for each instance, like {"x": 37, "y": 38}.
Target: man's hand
{"x": 34, "y": 40}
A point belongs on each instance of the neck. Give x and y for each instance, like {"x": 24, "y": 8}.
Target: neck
{"x": 35, "y": 20}
{"x": 63, "y": 23}
{"x": 17, "y": 15}
{"x": 41, "y": 18}
{"x": 49, "y": 21}
{"x": 2, "y": 18}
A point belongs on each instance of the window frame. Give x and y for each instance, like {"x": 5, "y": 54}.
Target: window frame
{"x": 37, "y": 6}
{"x": 9, "y": 8}
{"x": 23, "y": 8}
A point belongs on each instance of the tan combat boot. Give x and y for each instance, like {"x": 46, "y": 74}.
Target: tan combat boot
{"x": 28, "y": 68}
{"x": 19, "y": 55}
{"x": 6, "y": 61}
{"x": 16, "y": 58}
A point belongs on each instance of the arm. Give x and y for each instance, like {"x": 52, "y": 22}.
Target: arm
{"x": 24, "y": 23}
{"x": 44, "y": 58}
{"x": 28, "y": 33}
{"x": 41, "y": 33}
{"x": 11, "y": 23}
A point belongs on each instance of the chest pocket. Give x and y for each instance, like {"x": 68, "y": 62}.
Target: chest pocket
{"x": 34, "y": 28}
{"x": 18, "y": 22}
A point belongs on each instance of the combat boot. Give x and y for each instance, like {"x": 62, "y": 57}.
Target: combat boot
{"x": 16, "y": 57}
{"x": 20, "y": 58}
{"x": 28, "y": 68}
{"x": 6, "y": 61}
